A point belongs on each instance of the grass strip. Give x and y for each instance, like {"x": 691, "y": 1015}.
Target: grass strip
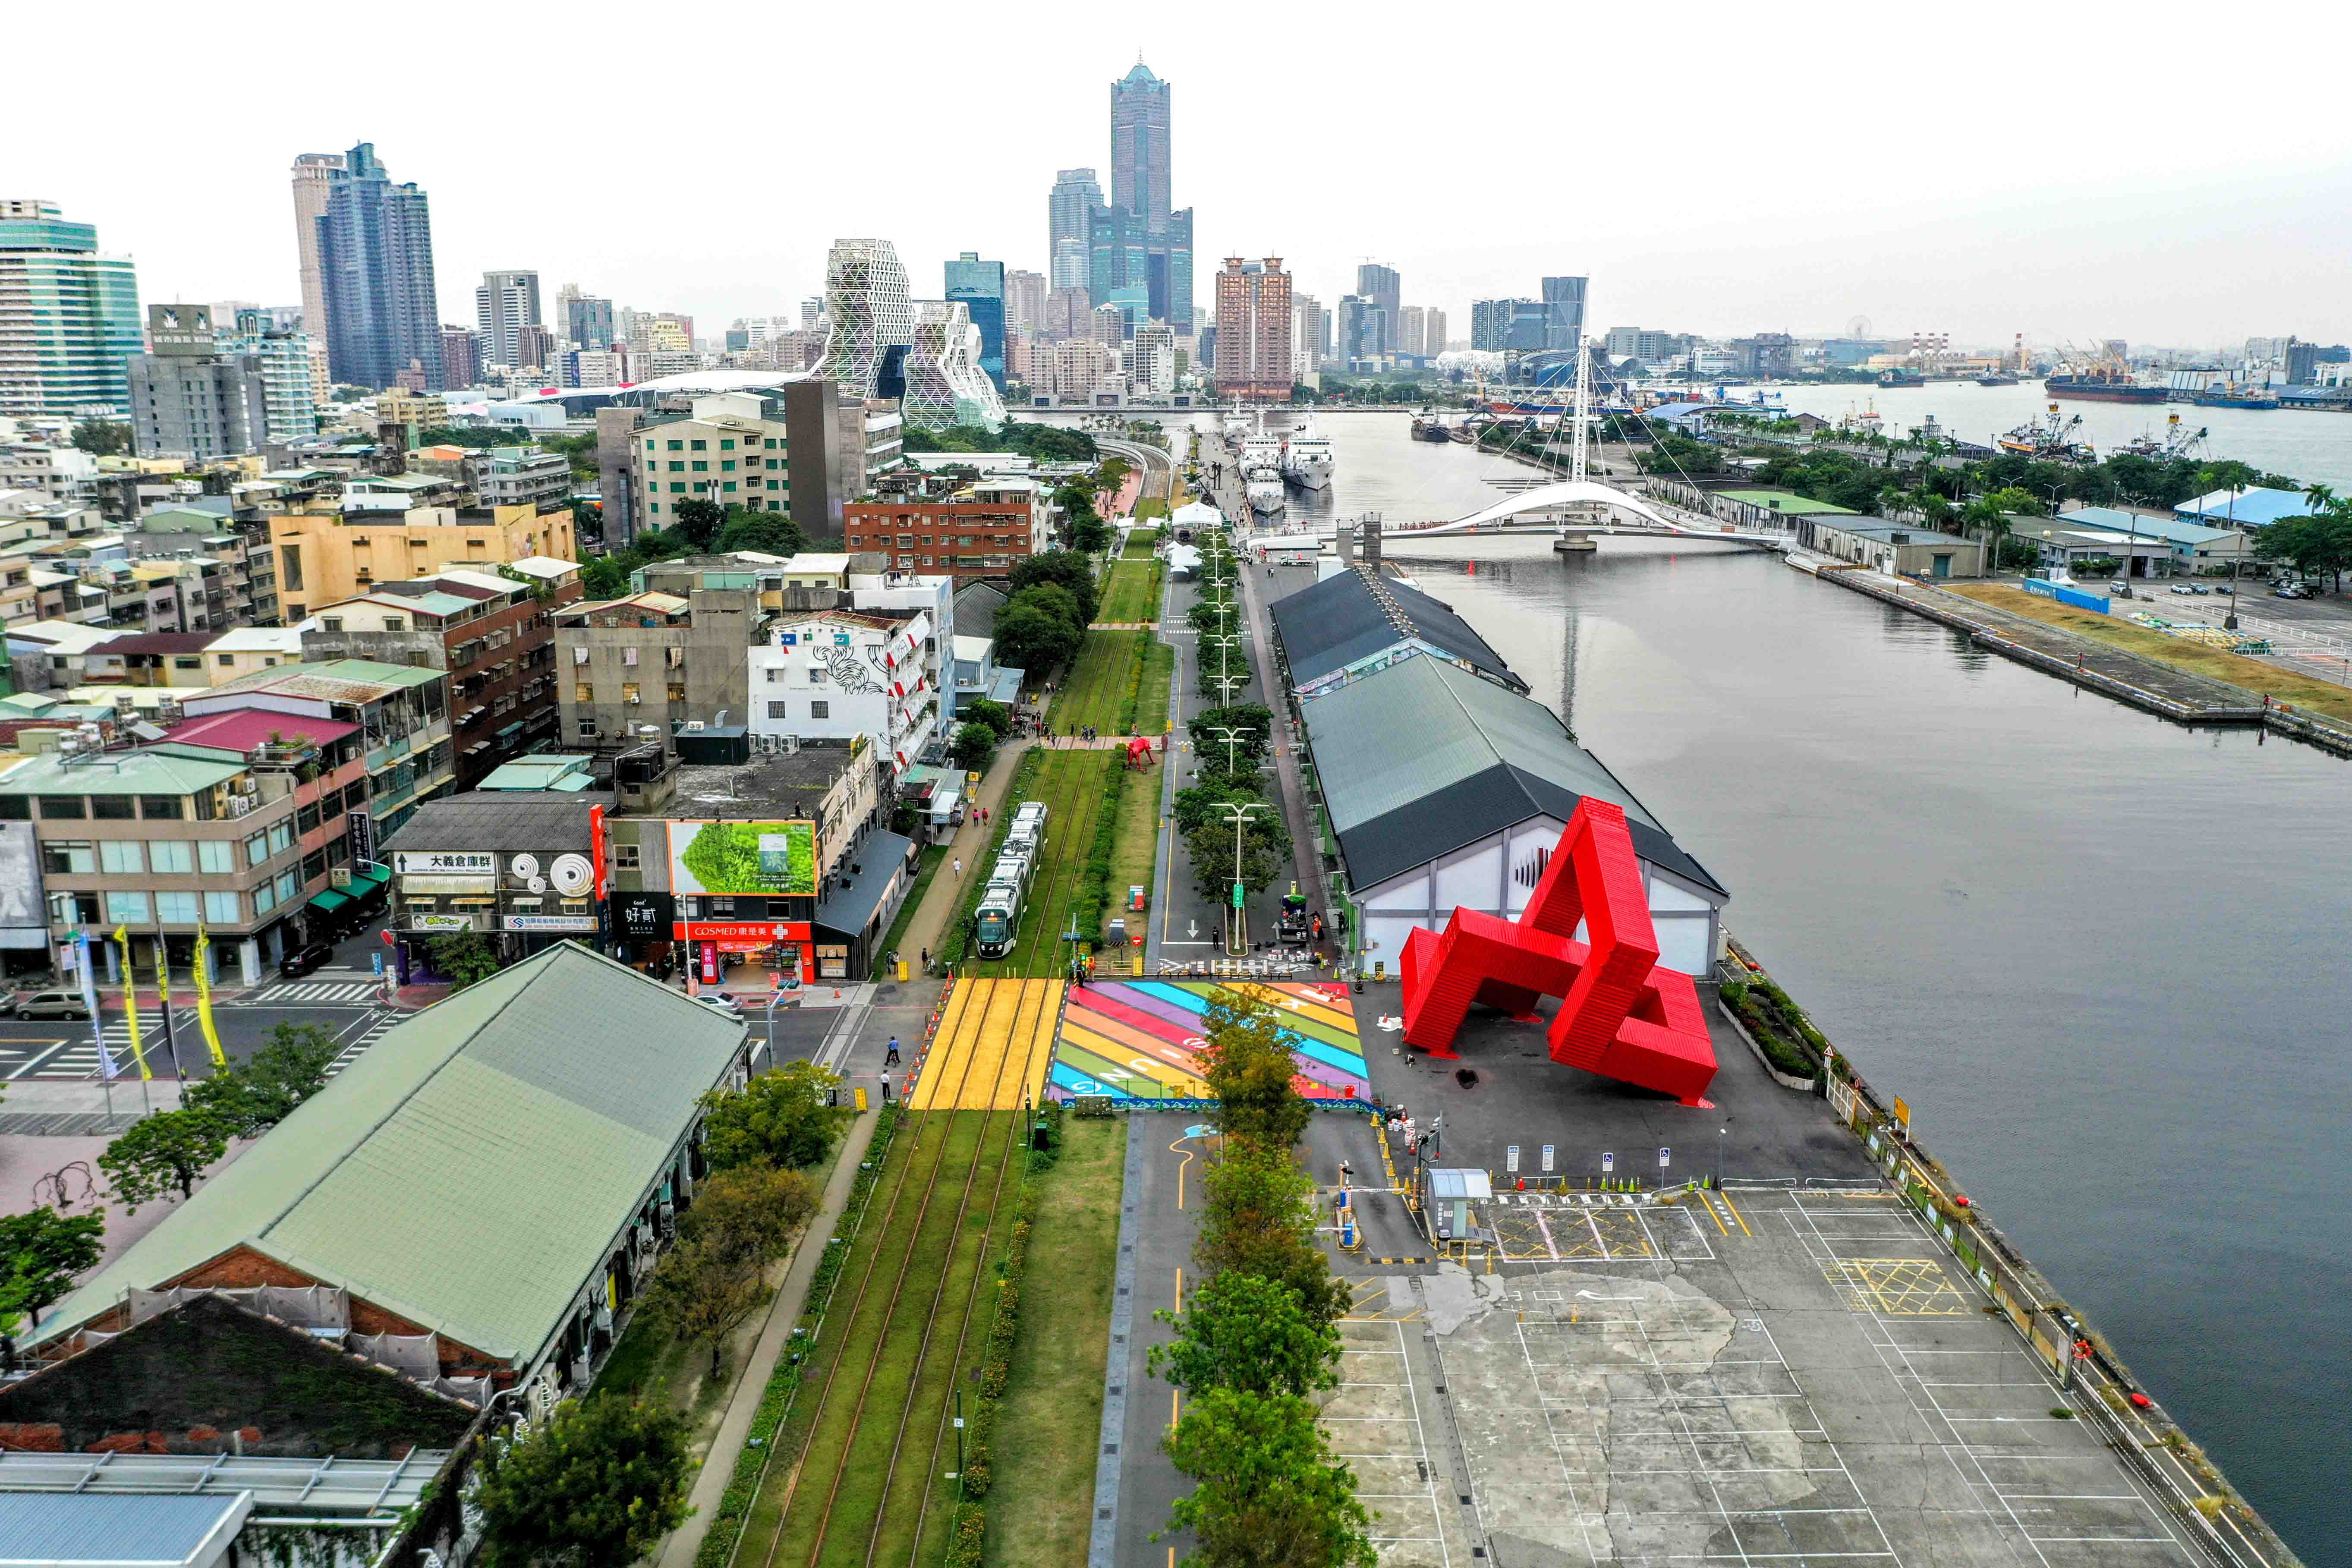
{"x": 1097, "y": 683}
{"x": 1151, "y": 695}
{"x": 2180, "y": 653}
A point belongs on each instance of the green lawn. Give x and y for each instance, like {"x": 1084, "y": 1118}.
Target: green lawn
{"x": 1132, "y": 594}
{"x": 1041, "y": 1508}
{"x": 1151, "y": 703}
{"x": 1094, "y": 689}
{"x": 1150, "y": 507}
{"x": 1135, "y": 847}
{"x": 1140, "y": 542}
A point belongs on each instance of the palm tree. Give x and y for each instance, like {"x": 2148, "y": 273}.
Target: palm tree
{"x": 1992, "y": 526}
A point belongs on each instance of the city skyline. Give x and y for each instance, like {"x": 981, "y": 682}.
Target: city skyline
{"x": 2059, "y": 223}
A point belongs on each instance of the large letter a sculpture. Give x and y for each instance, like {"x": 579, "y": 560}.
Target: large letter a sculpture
{"x": 1621, "y": 1016}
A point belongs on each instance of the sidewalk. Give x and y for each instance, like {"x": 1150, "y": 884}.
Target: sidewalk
{"x": 751, "y": 1382}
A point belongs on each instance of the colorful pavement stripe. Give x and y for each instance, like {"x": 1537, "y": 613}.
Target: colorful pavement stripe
{"x": 1138, "y": 1039}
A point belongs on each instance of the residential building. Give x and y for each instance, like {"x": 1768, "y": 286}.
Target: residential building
{"x": 61, "y": 473}
{"x": 490, "y": 1191}
{"x": 402, "y": 715}
{"x": 1025, "y": 302}
{"x": 375, "y": 257}
{"x": 587, "y": 318}
{"x": 519, "y": 475}
{"x": 461, "y": 357}
{"x": 656, "y": 660}
{"x": 1411, "y": 339}
{"x": 1253, "y": 329}
{"x": 234, "y": 654}
{"x": 1069, "y": 313}
{"x": 873, "y": 318}
{"x": 839, "y": 674}
{"x": 190, "y": 400}
{"x": 734, "y": 449}
{"x": 1075, "y": 198}
{"x": 517, "y": 866}
{"x": 69, "y": 315}
{"x": 1766, "y": 355}
{"x": 411, "y": 412}
{"x": 1306, "y": 333}
{"x": 504, "y": 304}
{"x": 1498, "y": 326}
{"x": 491, "y": 636}
{"x": 1149, "y": 362}
{"x": 1433, "y": 330}
{"x": 170, "y": 658}
{"x": 323, "y": 556}
{"x": 1082, "y": 367}
{"x": 290, "y": 392}
{"x": 979, "y": 286}
{"x": 1107, "y": 325}
{"x": 314, "y": 183}
{"x": 945, "y": 385}
{"x": 534, "y": 349}
{"x": 1563, "y": 300}
{"x": 230, "y": 824}
{"x": 1360, "y": 330}
{"x": 1379, "y": 285}
{"x": 969, "y": 531}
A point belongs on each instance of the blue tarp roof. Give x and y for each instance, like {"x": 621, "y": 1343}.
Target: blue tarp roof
{"x": 2248, "y": 507}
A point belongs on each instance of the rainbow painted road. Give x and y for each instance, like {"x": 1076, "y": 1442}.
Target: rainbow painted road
{"x": 1136, "y": 1039}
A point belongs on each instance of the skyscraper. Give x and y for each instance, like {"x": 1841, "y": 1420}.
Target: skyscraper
{"x": 1410, "y": 328}
{"x": 979, "y": 285}
{"x": 1159, "y": 249}
{"x": 504, "y": 304}
{"x": 872, "y": 317}
{"x": 68, "y": 316}
{"x": 1253, "y": 328}
{"x": 1563, "y": 300}
{"x": 1024, "y": 300}
{"x": 1075, "y": 196}
{"x": 944, "y": 382}
{"x": 1380, "y": 285}
{"x": 1305, "y": 332}
{"x": 1432, "y": 331}
{"x": 314, "y": 182}
{"x": 587, "y": 318}
{"x": 461, "y": 355}
{"x": 375, "y": 261}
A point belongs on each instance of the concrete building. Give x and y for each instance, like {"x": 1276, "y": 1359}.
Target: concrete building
{"x": 190, "y": 400}
{"x": 402, "y": 715}
{"x": 1433, "y": 330}
{"x": 515, "y": 867}
{"x": 519, "y": 475}
{"x": 461, "y": 357}
{"x": 733, "y": 449}
{"x": 1306, "y": 345}
{"x": 290, "y": 392}
{"x": 504, "y": 304}
{"x": 68, "y": 316}
{"x": 1381, "y": 286}
{"x": 1412, "y": 341}
{"x": 587, "y": 318}
{"x": 535, "y": 350}
{"x": 1899, "y": 550}
{"x": 653, "y": 661}
{"x": 1083, "y": 367}
{"x": 840, "y": 674}
{"x": 1025, "y": 302}
{"x": 323, "y": 556}
{"x": 375, "y": 258}
{"x": 969, "y": 531}
{"x": 1074, "y": 196}
{"x": 872, "y": 316}
{"x": 980, "y": 286}
{"x": 1254, "y": 330}
{"x": 2194, "y": 548}
{"x": 314, "y": 183}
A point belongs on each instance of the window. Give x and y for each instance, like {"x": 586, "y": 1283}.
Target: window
{"x": 162, "y": 807}
{"x": 175, "y": 909}
{"x": 629, "y": 693}
{"x": 60, "y": 857}
{"x": 677, "y": 488}
{"x": 625, "y": 856}
{"x": 727, "y": 443}
{"x": 216, "y": 857}
{"x": 220, "y": 908}
{"x": 729, "y": 487}
{"x": 629, "y": 657}
{"x": 188, "y": 661}
{"x": 678, "y": 466}
{"x": 816, "y": 675}
{"x": 15, "y": 807}
{"x": 172, "y": 857}
{"x": 726, "y": 465}
{"x": 702, "y": 445}
{"x": 678, "y": 691}
{"x": 700, "y": 467}
{"x": 676, "y": 445}
{"x": 130, "y": 908}
{"x": 314, "y": 865}
{"x": 288, "y": 884}
{"x": 330, "y": 622}
{"x": 396, "y": 623}
{"x": 306, "y": 820}
{"x": 582, "y": 692}
{"x": 587, "y": 730}
{"x": 112, "y": 807}
{"x": 256, "y": 849}
{"x": 820, "y": 709}
{"x": 780, "y": 710}
{"x": 120, "y": 857}
{"x": 282, "y": 834}
{"x": 225, "y": 660}
{"x": 264, "y": 899}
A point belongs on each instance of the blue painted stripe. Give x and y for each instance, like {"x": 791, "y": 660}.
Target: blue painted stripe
{"x": 1349, "y": 1062}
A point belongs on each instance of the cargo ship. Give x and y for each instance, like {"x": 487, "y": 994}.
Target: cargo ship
{"x": 2235, "y": 397}
{"x": 2102, "y": 384}
{"x": 1901, "y": 378}
{"x": 1428, "y": 426}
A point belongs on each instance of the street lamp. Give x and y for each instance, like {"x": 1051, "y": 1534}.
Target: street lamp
{"x": 1237, "y": 931}
{"x": 1232, "y": 738}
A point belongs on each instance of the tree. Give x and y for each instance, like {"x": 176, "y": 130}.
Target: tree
{"x": 1090, "y": 534}
{"x": 466, "y": 957}
{"x": 768, "y": 531}
{"x": 710, "y": 1283}
{"x": 1259, "y": 1221}
{"x": 596, "y": 1486}
{"x": 1243, "y": 1332}
{"x": 102, "y": 437}
{"x": 1031, "y": 637}
{"x": 700, "y": 522}
{"x": 1264, "y": 851}
{"x": 1270, "y": 1492}
{"x": 156, "y": 1154}
{"x": 995, "y": 715}
{"x": 1065, "y": 567}
{"x": 247, "y": 1099}
{"x": 1254, "y": 719}
{"x": 604, "y": 577}
{"x": 974, "y": 744}
{"x": 41, "y": 1253}
{"x": 1248, "y": 1067}
{"x": 780, "y": 1118}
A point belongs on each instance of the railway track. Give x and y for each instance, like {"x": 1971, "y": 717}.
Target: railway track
{"x": 839, "y": 1449}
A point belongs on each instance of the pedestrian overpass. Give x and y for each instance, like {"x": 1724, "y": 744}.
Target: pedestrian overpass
{"x": 1574, "y": 508}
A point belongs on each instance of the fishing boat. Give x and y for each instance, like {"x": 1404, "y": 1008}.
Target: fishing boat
{"x": 2052, "y": 440}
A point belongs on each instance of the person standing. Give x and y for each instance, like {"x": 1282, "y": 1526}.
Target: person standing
{"x": 892, "y": 1059}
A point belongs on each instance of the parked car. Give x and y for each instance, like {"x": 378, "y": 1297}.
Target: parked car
{"x": 2291, "y": 591}
{"x": 310, "y": 955}
{"x": 722, "y": 1001}
{"x": 2225, "y": 590}
{"x": 50, "y": 1005}
{"x": 2183, "y": 589}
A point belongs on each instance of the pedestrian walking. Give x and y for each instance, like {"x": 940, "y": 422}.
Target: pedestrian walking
{"x": 892, "y": 1059}
{"x": 927, "y": 960}
{"x": 959, "y": 866}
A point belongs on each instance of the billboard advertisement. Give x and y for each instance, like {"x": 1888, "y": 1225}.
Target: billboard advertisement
{"x": 24, "y": 913}
{"x": 778, "y": 858}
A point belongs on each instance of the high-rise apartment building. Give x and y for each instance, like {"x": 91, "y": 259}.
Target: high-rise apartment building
{"x": 1512, "y": 325}
{"x": 375, "y": 257}
{"x": 504, "y": 304}
{"x": 68, "y": 316}
{"x": 1410, "y": 332}
{"x": 534, "y": 347}
{"x": 1025, "y": 302}
{"x": 314, "y": 182}
{"x": 1432, "y": 329}
{"x": 1253, "y": 330}
{"x": 1305, "y": 332}
{"x": 1380, "y": 285}
{"x": 873, "y": 319}
{"x": 1563, "y": 300}
{"x": 190, "y": 400}
{"x": 290, "y": 388}
{"x": 461, "y": 356}
{"x": 587, "y": 319}
{"x": 1075, "y": 198}
{"x": 979, "y": 285}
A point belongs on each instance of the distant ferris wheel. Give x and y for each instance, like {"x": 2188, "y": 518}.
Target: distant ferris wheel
{"x": 1859, "y": 327}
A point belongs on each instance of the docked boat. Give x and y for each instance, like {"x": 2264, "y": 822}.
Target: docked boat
{"x": 2235, "y": 397}
{"x": 1307, "y": 457}
{"x": 1428, "y": 426}
{"x": 2102, "y": 384}
{"x": 1995, "y": 378}
{"x": 1901, "y": 378}
{"x": 2052, "y": 440}
{"x": 1261, "y": 456}
{"x": 1265, "y": 497}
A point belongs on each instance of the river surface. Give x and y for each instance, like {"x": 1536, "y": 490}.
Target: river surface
{"x": 2101, "y": 955}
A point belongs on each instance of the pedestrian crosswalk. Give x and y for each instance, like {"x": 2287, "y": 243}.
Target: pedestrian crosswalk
{"x": 316, "y": 994}
{"x": 78, "y": 1057}
{"x": 376, "y": 1030}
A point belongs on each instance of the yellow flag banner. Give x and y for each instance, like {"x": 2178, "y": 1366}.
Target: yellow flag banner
{"x": 204, "y": 999}
{"x": 131, "y": 1002}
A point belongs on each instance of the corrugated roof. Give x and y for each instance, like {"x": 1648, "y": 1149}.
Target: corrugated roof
{"x": 78, "y": 1529}
{"x": 1481, "y": 759}
{"x": 975, "y": 609}
{"x": 328, "y": 680}
{"x": 1347, "y": 618}
{"x": 467, "y": 1171}
{"x": 867, "y": 871}
{"x": 1789, "y": 502}
{"x": 2251, "y": 507}
{"x": 2172, "y": 530}
{"x": 123, "y": 773}
{"x": 501, "y": 821}
{"x": 243, "y": 729}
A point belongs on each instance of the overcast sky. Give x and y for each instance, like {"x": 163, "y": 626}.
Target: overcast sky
{"x": 2179, "y": 176}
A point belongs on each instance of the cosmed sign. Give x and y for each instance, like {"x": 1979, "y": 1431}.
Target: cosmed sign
{"x": 773, "y": 857}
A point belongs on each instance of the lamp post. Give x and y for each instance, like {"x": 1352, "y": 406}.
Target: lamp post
{"x": 1226, "y": 644}
{"x": 1237, "y": 930}
{"x": 1232, "y": 738}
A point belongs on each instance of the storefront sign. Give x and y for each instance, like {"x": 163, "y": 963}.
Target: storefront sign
{"x": 432, "y": 862}
{"x": 643, "y": 917}
{"x": 741, "y": 933}
{"x": 362, "y": 828}
{"x": 549, "y": 924}
{"x": 440, "y": 922}
{"x": 449, "y": 885}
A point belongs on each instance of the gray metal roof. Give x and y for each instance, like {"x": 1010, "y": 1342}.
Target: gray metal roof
{"x": 313, "y": 1486}
{"x": 867, "y": 871}
{"x": 76, "y": 1530}
{"x": 976, "y": 604}
{"x": 1349, "y": 616}
{"x": 501, "y": 821}
{"x": 1423, "y": 757}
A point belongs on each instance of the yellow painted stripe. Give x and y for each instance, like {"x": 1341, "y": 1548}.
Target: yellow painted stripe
{"x": 976, "y": 1085}
{"x": 1714, "y": 1216}
{"x": 1736, "y": 1213}
{"x": 948, "y": 1045}
{"x": 1041, "y": 1055}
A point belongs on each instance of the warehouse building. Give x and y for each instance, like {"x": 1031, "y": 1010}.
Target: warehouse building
{"x": 1356, "y": 622}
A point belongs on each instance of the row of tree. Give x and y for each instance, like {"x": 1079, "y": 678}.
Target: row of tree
{"x": 1046, "y": 443}
{"x": 1257, "y": 1343}
{"x": 1227, "y": 796}
{"x": 702, "y": 528}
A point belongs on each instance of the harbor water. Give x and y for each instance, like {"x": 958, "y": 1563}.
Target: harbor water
{"x": 2101, "y": 955}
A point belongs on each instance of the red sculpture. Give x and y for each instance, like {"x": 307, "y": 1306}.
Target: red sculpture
{"x": 1621, "y": 1016}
